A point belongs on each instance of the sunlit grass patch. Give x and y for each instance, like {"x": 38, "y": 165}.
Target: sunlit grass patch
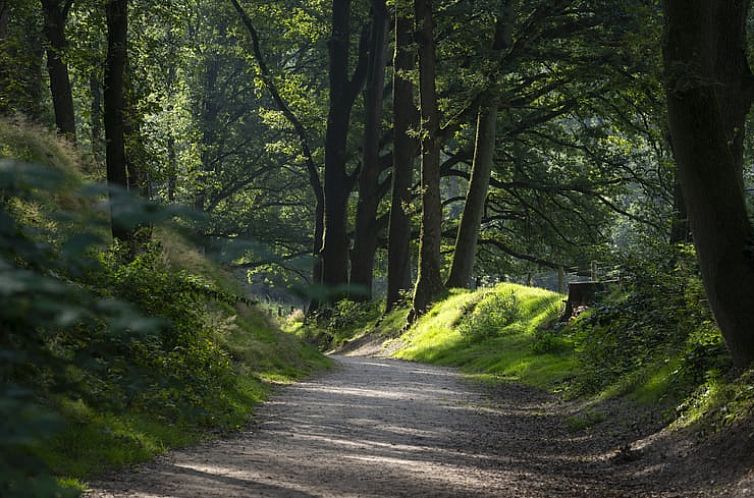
{"x": 491, "y": 334}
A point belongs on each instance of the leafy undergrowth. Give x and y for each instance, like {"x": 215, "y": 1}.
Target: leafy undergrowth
{"x": 110, "y": 356}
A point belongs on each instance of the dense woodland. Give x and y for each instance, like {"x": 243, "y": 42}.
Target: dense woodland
{"x": 167, "y": 164}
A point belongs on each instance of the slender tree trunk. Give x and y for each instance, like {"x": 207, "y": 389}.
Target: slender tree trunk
{"x": 4, "y": 18}
{"x": 114, "y": 99}
{"x": 464, "y": 255}
{"x": 172, "y": 170}
{"x": 338, "y": 184}
{"x": 31, "y": 99}
{"x": 136, "y": 154}
{"x": 365, "y": 238}
{"x": 709, "y": 88}
{"x": 22, "y": 51}
{"x": 468, "y": 231}
{"x": 319, "y": 236}
{"x": 404, "y": 147}
{"x": 680, "y": 231}
{"x": 4, "y": 56}
{"x": 429, "y": 284}
{"x": 209, "y": 114}
{"x": 311, "y": 166}
{"x": 95, "y": 88}
{"x": 55, "y": 15}
{"x": 319, "y": 231}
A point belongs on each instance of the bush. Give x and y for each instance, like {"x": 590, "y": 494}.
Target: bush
{"x": 178, "y": 355}
{"x": 659, "y": 312}
{"x": 332, "y": 326}
{"x": 549, "y": 340}
{"x": 80, "y": 323}
{"x": 491, "y": 316}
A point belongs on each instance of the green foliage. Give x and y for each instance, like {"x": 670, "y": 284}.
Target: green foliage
{"x": 658, "y": 313}
{"x": 649, "y": 337}
{"x": 331, "y": 327}
{"x": 186, "y": 370}
{"x": 492, "y": 316}
{"x": 108, "y": 357}
{"x": 25, "y": 424}
{"x": 550, "y": 340}
{"x": 584, "y": 420}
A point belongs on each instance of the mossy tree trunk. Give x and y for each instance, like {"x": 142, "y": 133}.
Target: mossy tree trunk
{"x": 429, "y": 285}
{"x": 404, "y": 147}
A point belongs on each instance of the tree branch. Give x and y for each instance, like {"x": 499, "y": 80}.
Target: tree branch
{"x": 282, "y": 105}
{"x": 526, "y": 257}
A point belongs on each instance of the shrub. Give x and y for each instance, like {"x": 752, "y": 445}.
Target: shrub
{"x": 332, "y": 326}
{"x": 659, "y": 312}
{"x": 549, "y": 340}
{"x": 492, "y": 314}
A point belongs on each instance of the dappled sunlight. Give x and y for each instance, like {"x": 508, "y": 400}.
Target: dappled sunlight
{"x": 386, "y": 428}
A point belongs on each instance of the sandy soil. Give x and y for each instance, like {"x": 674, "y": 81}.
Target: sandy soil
{"x": 383, "y": 428}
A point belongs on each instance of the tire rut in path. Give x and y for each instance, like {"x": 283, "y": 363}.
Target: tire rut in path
{"x": 383, "y": 428}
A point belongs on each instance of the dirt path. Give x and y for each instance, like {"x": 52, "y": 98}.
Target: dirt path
{"x": 379, "y": 428}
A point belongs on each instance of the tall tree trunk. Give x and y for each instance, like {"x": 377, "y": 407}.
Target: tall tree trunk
{"x": 468, "y": 230}
{"x": 464, "y": 255}
{"x": 365, "y": 238}
{"x": 429, "y": 284}
{"x": 709, "y": 88}
{"x": 319, "y": 236}
{"x": 680, "y": 231}
{"x": 4, "y": 55}
{"x": 4, "y": 19}
{"x": 404, "y": 146}
{"x": 95, "y": 88}
{"x": 136, "y": 154}
{"x": 338, "y": 184}
{"x": 55, "y": 15}
{"x": 115, "y": 67}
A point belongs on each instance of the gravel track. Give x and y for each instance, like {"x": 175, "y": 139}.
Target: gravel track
{"x": 384, "y": 428}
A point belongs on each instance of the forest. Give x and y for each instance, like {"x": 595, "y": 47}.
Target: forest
{"x": 376, "y": 248}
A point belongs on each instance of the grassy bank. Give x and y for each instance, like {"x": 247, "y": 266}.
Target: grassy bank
{"x": 649, "y": 340}
{"x": 493, "y": 334}
{"x": 111, "y": 357}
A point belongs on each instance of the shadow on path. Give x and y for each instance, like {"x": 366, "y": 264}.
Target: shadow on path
{"x": 383, "y": 428}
